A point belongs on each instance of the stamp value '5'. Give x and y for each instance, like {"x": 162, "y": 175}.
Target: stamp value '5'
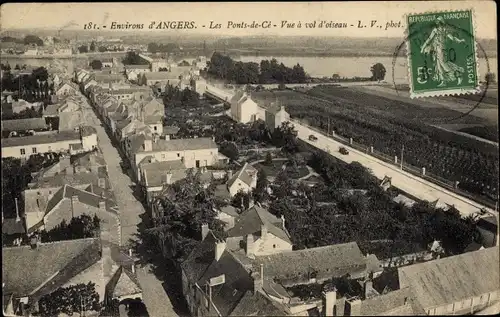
{"x": 442, "y": 55}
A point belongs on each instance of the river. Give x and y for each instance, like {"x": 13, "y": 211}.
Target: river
{"x": 314, "y": 66}
{"x": 357, "y": 66}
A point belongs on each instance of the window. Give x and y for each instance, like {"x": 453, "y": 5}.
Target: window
{"x": 155, "y": 128}
{"x": 33, "y": 149}
{"x": 23, "y": 151}
{"x": 178, "y": 154}
{"x": 274, "y": 246}
{"x": 50, "y": 148}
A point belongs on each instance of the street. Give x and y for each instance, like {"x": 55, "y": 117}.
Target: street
{"x": 405, "y": 181}
{"x": 131, "y": 209}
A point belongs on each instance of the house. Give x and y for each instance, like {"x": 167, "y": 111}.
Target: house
{"x": 155, "y": 175}
{"x": 172, "y": 78}
{"x": 275, "y": 115}
{"x": 215, "y": 283}
{"x": 31, "y": 51}
{"x": 48, "y": 267}
{"x": 103, "y": 78}
{"x": 69, "y": 202}
{"x": 402, "y": 199}
{"x": 132, "y": 71}
{"x": 261, "y": 232}
{"x": 68, "y": 105}
{"x": 64, "y": 141}
{"x": 245, "y": 180}
{"x": 107, "y": 62}
{"x": 123, "y": 285}
{"x": 71, "y": 121}
{"x": 218, "y": 279}
{"x": 197, "y": 152}
{"x": 243, "y": 108}
{"x": 67, "y": 88}
{"x": 13, "y": 229}
{"x": 228, "y": 214}
{"x": 455, "y": 285}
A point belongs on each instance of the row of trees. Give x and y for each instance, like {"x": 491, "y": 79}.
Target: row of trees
{"x": 163, "y": 48}
{"x": 268, "y": 72}
{"x": 80, "y": 227}
{"x": 27, "y": 40}
{"x": 174, "y": 97}
{"x": 32, "y": 88}
{"x": 132, "y": 58}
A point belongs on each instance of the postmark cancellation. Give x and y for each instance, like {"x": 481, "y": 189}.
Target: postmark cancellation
{"x": 442, "y": 54}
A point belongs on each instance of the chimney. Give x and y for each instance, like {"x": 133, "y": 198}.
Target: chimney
{"x": 204, "y": 231}
{"x": 17, "y": 211}
{"x": 169, "y": 177}
{"x": 74, "y": 199}
{"x": 148, "y": 145}
{"x": 258, "y": 279}
{"x": 329, "y": 302}
{"x": 367, "y": 287}
{"x": 283, "y": 221}
{"x": 220, "y": 246}
{"x": 133, "y": 268}
{"x": 106, "y": 261}
{"x": 130, "y": 252}
{"x": 34, "y": 241}
{"x": 102, "y": 205}
{"x": 251, "y": 201}
{"x": 353, "y": 306}
{"x": 249, "y": 246}
{"x": 229, "y": 174}
{"x": 263, "y": 231}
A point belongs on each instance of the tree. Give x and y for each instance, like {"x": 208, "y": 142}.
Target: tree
{"x": 260, "y": 192}
{"x": 92, "y": 46}
{"x": 269, "y": 159}
{"x": 230, "y": 150}
{"x": 378, "y": 72}
{"x": 103, "y": 49}
{"x": 241, "y": 200}
{"x": 69, "y": 300}
{"x": 80, "y": 227}
{"x": 490, "y": 78}
{"x": 33, "y": 39}
{"x": 83, "y": 49}
{"x": 96, "y": 64}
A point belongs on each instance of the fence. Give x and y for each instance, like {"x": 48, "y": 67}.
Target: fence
{"x": 428, "y": 176}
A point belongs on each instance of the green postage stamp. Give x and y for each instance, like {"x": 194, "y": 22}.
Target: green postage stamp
{"x": 442, "y": 55}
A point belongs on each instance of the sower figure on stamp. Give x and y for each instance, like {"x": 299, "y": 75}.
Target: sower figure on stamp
{"x": 444, "y": 70}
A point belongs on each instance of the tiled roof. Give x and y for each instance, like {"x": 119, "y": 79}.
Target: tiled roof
{"x": 256, "y": 304}
{"x": 12, "y": 226}
{"x": 88, "y": 159}
{"x": 136, "y": 67}
{"x": 155, "y": 119}
{"x": 184, "y": 144}
{"x": 70, "y": 120}
{"x": 337, "y": 260}
{"x": 170, "y": 130}
{"x": 87, "y": 130}
{"x": 200, "y": 258}
{"x": 127, "y": 283}
{"x": 245, "y": 174}
{"x": 85, "y": 197}
{"x": 453, "y": 279}
{"x": 162, "y": 75}
{"x": 251, "y": 221}
{"x": 25, "y": 269}
{"x": 398, "y": 299}
{"x": 109, "y": 78}
{"x": 136, "y": 142}
{"x": 230, "y": 210}
{"x": 226, "y": 296}
{"x": 41, "y": 139}
{"x": 155, "y": 173}
{"x": 24, "y": 124}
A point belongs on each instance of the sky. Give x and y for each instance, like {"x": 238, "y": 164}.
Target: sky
{"x": 73, "y": 16}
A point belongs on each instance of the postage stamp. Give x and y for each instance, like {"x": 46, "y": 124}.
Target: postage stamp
{"x": 442, "y": 54}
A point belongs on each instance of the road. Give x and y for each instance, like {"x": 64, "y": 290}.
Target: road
{"x": 405, "y": 181}
{"x": 154, "y": 296}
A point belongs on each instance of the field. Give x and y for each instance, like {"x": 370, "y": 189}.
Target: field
{"x": 387, "y": 125}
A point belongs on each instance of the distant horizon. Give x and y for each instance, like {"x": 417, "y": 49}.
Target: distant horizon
{"x": 350, "y": 19}
{"x": 156, "y": 33}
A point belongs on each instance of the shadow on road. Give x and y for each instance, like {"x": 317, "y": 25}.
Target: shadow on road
{"x": 166, "y": 270}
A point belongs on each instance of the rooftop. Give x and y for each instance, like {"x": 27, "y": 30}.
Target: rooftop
{"x": 337, "y": 260}
{"x": 184, "y": 144}
{"x": 42, "y": 139}
{"x": 24, "y": 124}
{"x": 246, "y": 175}
{"x": 162, "y": 75}
{"x": 453, "y": 279}
{"x": 47, "y": 262}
